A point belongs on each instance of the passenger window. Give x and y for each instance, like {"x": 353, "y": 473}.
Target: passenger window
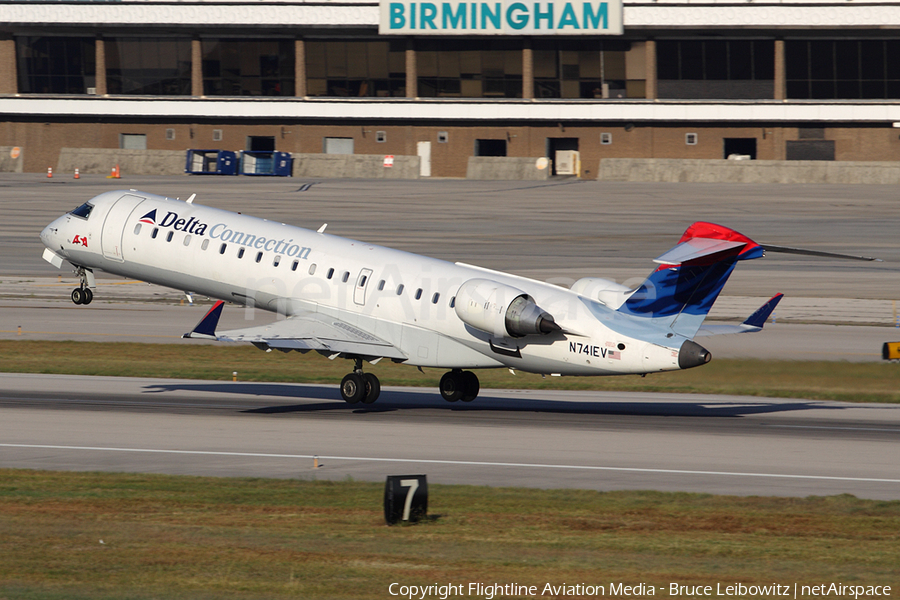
{"x": 187, "y": 240}
{"x": 137, "y": 229}
{"x": 330, "y": 273}
{"x": 170, "y": 236}
{"x": 362, "y": 281}
{"x": 435, "y": 298}
{"x": 222, "y": 248}
{"x": 204, "y": 245}
{"x": 155, "y": 231}
{"x": 294, "y": 265}
{"x": 259, "y": 256}
{"x": 381, "y": 285}
{"x": 241, "y": 253}
{"x": 399, "y": 289}
{"x": 276, "y": 261}
{"x": 418, "y": 293}
{"x": 346, "y": 276}
{"x": 312, "y": 268}
{"x": 452, "y": 301}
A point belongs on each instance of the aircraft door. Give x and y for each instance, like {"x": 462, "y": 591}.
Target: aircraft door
{"x": 115, "y": 224}
{"x": 362, "y": 282}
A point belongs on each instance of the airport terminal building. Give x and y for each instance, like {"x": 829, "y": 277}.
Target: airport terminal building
{"x": 447, "y": 81}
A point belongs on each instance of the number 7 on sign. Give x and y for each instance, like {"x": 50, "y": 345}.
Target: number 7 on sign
{"x": 413, "y": 485}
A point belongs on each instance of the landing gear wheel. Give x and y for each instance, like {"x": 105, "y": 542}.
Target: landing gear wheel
{"x": 451, "y": 386}
{"x": 471, "y": 386}
{"x": 353, "y": 388}
{"x": 88, "y": 296}
{"x": 373, "y": 388}
{"x": 78, "y": 296}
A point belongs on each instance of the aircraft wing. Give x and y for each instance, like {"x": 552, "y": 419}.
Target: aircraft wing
{"x": 303, "y": 331}
{"x": 751, "y": 324}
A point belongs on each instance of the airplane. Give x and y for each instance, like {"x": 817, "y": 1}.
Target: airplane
{"x": 344, "y": 298}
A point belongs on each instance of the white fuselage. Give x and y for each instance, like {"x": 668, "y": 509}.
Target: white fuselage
{"x": 405, "y": 299}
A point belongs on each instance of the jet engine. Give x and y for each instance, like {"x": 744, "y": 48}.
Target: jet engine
{"x": 501, "y": 310}
{"x": 608, "y": 292}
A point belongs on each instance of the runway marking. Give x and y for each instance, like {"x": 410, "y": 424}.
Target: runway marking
{"x": 452, "y": 462}
{"x": 890, "y": 430}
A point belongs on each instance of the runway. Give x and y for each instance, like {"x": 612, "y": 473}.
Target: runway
{"x": 586, "y": 440}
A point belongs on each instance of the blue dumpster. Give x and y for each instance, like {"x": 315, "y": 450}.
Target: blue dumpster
{"x": 211, "y": 162}
{"x": 255, "y": 162}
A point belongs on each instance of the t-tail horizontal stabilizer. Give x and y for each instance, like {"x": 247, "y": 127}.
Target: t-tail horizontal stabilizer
{"x": 690, "y": 276}
{"x": 751, "y": 324}
{"x": 206, "y": 328}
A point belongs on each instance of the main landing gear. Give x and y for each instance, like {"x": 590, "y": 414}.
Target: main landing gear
{"x": 82, "y": 294}
{"x": 360, "y": 387}
{"x": 459, "y": 385}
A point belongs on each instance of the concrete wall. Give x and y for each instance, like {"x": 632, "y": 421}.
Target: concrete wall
{"x": 747, "y": 171}
{"x": 506, "y": 168}
{"x": 8, "y": 164}
{"x": 370, "y": 166}
{"x": 131, "y": 162}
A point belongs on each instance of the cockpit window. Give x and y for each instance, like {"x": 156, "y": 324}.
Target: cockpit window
{"x": 83, "y": 211}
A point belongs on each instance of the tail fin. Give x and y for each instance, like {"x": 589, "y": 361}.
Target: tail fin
{"x": 681, "y": 291}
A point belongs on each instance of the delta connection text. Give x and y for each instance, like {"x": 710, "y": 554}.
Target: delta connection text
{"x": 725, "y": 590}
{"x": 223, "y": 232}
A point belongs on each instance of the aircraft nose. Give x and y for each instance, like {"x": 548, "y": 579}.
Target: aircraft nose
{"x": 692, "y": 355}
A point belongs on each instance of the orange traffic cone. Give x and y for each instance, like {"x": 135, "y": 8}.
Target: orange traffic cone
{"x": 49, "y": 172}
{"x": 115, "y": 173}
{"x": 77, "y": 176}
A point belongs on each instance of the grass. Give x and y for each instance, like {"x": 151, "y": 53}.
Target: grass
{"x": 822, "y": 380}
{"x": 190, "y": 537}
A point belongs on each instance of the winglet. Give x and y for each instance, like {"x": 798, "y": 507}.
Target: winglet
{"x": 206, "y": 328}
{"x": 758, "y": 318}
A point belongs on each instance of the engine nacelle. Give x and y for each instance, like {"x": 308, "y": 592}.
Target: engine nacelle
{"x": 608, "y": 292}
{"x": 501, "y": 310}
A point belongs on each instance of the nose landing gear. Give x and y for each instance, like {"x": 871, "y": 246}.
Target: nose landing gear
{"x": 360, "y": 387}
{"x": 82, "y": 294}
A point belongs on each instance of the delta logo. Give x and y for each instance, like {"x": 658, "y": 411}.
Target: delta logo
{"x": 192, "y": 225}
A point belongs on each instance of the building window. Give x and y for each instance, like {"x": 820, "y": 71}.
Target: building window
{"x": 380, "y": 136}
{"x": 55, "y": 65}
{"x": 238, "y": 67}
{"x": 356, "y": 68}
{"x": 490, "y": 147}
{"x": 716, "y": 69}
{"x": 217, "y": 135}
{"x": 133, "y": 141}
{"x": 170, "y": 134}
{"x": 690, "y": 139}
{"x": 443, "y": 137}
{"x": 151, "y": 66}
{"x": 469, "y": 68}
{"x": 842, "y": 69}
{"x": 605, "y": 139}
{"x": 585, "y": 69}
